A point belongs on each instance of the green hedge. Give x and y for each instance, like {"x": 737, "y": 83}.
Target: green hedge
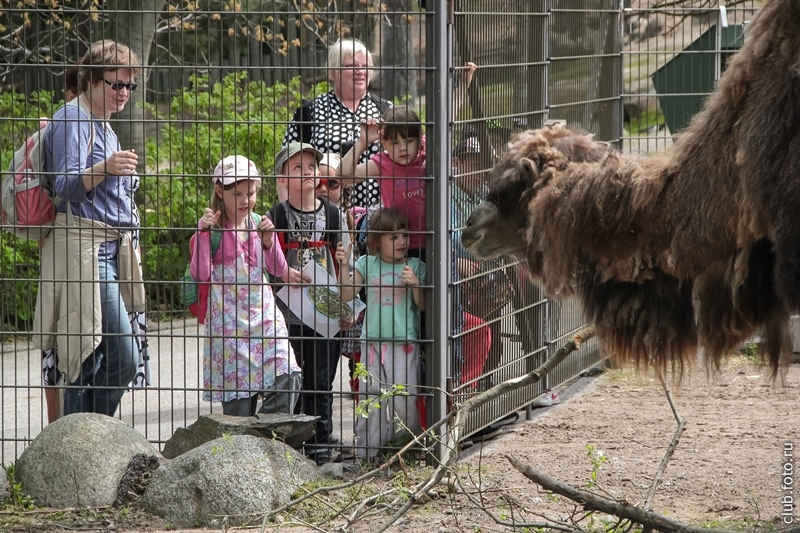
{"x": 204, "y": 123}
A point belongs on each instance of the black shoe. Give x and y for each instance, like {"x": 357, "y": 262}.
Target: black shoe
{"x": 492, "y": 430}
{"x": 321, "y": 456}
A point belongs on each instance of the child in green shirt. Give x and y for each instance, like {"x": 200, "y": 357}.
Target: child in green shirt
{"x": 390, "y": 340}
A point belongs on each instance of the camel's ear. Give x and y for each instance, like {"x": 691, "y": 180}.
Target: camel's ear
{"x": 529, "y": 167}
{"x": 556, "y": 123}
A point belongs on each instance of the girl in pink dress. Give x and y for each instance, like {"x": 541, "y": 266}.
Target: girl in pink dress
{"x": 246, "y": 352}
{"x": 400, "y": 168}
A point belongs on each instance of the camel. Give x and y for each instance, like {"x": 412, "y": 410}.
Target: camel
{"x": 694, "y": 249}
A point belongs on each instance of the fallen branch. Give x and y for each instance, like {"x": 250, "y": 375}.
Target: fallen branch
{"x": 431, "y": 431}
{"x": 479, "y": 504}
{"x": 458, "y": 416}
{"x": 47, "y": 511}
{"x": 593, "y": 502}
{"x": 463, "y": 411}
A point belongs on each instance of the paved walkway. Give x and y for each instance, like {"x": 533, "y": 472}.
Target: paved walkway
{"x": 173, "y": 400}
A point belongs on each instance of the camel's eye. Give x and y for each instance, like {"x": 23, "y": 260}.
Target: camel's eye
{"x": 506, "y": 191}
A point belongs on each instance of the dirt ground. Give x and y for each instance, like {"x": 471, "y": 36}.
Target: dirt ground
{"x": 726, "y": 472}
{"x": 727, "y": 468}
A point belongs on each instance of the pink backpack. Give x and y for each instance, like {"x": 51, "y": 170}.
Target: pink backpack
{"x": 26, "y": 209}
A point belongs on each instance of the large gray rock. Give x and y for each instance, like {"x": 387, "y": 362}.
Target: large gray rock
{"x": 232, "y": 479}
{"x": 78, "y": 460}
{"x": 294, "y": 430}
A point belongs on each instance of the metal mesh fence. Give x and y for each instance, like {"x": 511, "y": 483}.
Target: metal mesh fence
{"x": 673, "y": 55}
{"x": 537, "y": 61}
{"x": 228, "y": 78}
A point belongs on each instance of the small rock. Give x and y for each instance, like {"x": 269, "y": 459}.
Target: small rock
{"x": 135, "y": 479}
{"x": 352, "y": 468}
{"x": 332, "y": 470}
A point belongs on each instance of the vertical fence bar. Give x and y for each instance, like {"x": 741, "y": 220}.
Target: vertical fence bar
{"x": 439, "y": 94}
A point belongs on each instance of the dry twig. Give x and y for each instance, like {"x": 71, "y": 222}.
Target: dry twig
{"x": 670, "y": 449}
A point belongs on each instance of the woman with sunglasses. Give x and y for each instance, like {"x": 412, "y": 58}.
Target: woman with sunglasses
{"x": 91, "y": 274}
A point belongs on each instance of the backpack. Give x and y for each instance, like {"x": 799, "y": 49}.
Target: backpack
{"x": 361, "y": 218}
{"x": 27, "y": 209}
{"x": 304, "y": 118}
{"x": 193, "y": 293}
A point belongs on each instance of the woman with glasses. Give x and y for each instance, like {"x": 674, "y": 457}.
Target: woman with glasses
{"x": 332, "y": 121}
{"x": 91, "y": 274}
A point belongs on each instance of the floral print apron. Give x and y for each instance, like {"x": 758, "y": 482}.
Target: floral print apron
{"x": 247, "y": 342}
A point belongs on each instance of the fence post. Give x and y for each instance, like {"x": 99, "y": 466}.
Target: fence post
{"x": 438, "y": 133}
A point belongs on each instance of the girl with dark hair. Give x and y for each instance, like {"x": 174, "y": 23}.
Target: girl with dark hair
{"x": 400, "y": 168}
{"x": 390, "y": 339}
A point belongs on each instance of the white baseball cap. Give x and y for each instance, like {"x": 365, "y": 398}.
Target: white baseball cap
{"x": 234, "y": 168}
{"x": 469, "y": 145}
{"x": 332, "y": 160}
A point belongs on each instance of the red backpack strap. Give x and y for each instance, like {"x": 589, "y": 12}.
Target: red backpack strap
{"x": 306, "y": 244}
{"x": 282, "y": 241}
{"x": 280, "y": 219}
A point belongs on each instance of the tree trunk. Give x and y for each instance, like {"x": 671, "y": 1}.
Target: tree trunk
{"x": 398, "y": 77}
{"x": 134, "y": 23}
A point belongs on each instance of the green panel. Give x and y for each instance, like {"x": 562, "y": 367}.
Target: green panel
{"x": 683, "y": 83}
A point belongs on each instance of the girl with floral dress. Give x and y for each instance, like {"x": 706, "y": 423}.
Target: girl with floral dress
{"x": 246, "y": 352}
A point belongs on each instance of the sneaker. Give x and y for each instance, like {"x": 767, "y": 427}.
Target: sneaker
{"x": 547, "y": 399}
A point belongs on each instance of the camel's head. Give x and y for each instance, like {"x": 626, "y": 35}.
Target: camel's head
{"x": 499, "y": 224}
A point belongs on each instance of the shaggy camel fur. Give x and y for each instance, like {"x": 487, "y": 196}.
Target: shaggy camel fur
{"x": 697, "y": 247}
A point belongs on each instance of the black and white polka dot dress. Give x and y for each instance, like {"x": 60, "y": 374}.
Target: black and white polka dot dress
{"x": 335, "y": 129}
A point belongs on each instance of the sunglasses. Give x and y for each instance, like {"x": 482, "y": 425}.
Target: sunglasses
{"x": 330, "y": 183}
{"x": 118, "y": 85}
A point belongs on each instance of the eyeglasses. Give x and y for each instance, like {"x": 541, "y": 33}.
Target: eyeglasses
{"x": 118, "y": 85}
{"x": 330, "y": 183}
